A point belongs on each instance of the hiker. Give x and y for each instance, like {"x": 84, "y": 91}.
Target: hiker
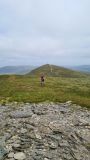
{"x": 42, "y": 80}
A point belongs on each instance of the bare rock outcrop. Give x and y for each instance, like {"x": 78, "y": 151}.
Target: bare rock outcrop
{"x": 44, "y": 131}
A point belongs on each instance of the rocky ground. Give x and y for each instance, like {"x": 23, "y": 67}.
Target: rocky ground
{"x": 44, "y": 131}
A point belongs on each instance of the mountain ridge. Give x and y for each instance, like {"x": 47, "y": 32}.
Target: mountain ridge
{"x": 22, "y": 69}
{"x": 56, "y": 71}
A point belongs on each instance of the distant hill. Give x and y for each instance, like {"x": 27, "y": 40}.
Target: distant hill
{"x": 56, "y": 71}
{"x": 83, "y": 68}
{"x": 16, "y": 69}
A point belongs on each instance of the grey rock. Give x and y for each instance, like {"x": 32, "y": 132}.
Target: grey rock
{"x": 19, "y": 156}
{"x": 3, "y": 153}
{"x": 20, "y": 114}
{"x": 23, "y": 131}
{"x": 11, "y": 155}
{"x": 45, "y": 131}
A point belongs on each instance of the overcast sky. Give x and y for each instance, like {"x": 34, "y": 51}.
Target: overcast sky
{"x": 35, "y": 32}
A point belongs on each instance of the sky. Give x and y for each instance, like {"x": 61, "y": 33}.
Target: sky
{"x": 37, "y": 32}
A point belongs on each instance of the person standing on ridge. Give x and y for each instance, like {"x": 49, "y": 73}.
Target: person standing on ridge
{"x": 42, "y": 80}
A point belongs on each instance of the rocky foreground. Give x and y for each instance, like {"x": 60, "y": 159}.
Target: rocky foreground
{"x": 44, "y": 132}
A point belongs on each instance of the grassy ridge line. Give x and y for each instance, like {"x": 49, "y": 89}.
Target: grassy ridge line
{"x": 56, "y": 89}
{"x": 57, "y": 71}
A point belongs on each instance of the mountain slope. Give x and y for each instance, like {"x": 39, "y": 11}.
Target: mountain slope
{"x": 16, "y": 69}
{"x": 55, "y": 71}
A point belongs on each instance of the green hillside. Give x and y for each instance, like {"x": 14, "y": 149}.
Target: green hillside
{"x": 57, "y": 89}
{"x": 56, "y": 71}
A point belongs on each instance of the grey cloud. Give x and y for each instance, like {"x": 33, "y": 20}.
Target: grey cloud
{"x": 44, "y": 31}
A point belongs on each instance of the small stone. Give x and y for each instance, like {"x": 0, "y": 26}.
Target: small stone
{"x": 9, "y": 148}
{"x": 15, "y": 146}
{"x": 23, "y": 130}
{"x": 3, "y": 152}
{"x": 19, "y": 156}
{"x": 53, "y": 145}
{"x": 11, "y": 155}
{"x": 69, "y": 102}
{"x": 20, "y": 114}
{"x": 38, "y": 136}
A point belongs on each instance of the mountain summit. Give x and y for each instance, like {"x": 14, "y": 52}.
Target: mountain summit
{"x": 55, "y": 71}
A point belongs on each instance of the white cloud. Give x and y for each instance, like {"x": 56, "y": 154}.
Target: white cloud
{"x": 48, "y": 29}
